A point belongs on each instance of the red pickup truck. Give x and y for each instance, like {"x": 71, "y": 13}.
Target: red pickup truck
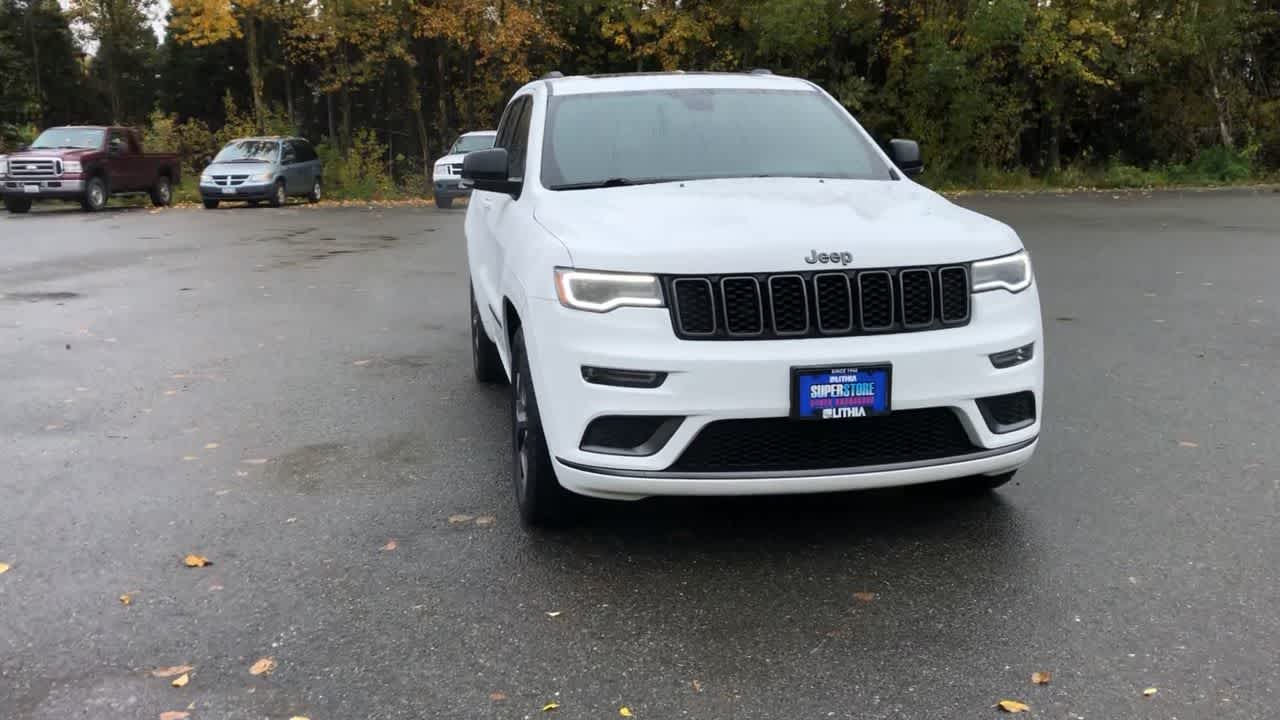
{"x": 89, "y": 164}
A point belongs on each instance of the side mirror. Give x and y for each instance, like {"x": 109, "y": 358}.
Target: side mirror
{"x": 906, "y": 155}
{"x": 490, "y": 170}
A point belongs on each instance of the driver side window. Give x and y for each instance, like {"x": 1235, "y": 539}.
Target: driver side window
{"x": 116, "y": 144}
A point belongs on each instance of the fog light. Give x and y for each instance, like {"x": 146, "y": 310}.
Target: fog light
{"x": 623, "y": 378}
{"x": 1016, "y": 356}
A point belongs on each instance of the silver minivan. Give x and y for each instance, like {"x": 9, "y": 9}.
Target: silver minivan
{"x": 254, "y": 170}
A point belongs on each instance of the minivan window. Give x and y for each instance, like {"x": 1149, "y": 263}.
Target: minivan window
{"x": 692, "y": 134}
{"x": 248, "y": 150}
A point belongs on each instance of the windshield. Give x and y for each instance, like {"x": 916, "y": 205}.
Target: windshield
{"x": 691, "y": 134}
{"x": 85, "y": 138}
{"x": 251, "y": 150}
{"x": 471, "y": 143}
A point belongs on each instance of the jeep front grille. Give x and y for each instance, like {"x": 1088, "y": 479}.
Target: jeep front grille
{"x": 818, "y": 304}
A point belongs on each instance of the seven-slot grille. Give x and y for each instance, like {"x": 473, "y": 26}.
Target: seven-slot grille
{"x": 229, "y": 180}
{"x": 34, "y": 168}
{"x": 818, "y": 304}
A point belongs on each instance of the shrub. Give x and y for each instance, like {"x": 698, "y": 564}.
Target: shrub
{"x": 362, "y": 173}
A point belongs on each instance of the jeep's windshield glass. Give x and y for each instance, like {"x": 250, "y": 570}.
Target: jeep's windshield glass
{"x": 626, "y": 138}
{"x": 83, "y": 138}
{"x": 471, "y": 143}
{"x": 257, "y": 150}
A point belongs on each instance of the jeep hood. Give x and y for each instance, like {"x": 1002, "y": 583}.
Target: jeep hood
{"x": 766, "y": 225}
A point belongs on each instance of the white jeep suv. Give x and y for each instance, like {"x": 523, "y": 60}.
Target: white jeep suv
{"x": 718, "y": 284}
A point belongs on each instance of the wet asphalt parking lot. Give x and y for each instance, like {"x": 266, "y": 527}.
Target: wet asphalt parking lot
{"x": 288, "y": 393}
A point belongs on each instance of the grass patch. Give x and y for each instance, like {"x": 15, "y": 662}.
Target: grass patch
{"x": 1212, "y": 167}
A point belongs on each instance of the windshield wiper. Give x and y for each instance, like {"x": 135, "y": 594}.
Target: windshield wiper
{"x": 613, "y": 182}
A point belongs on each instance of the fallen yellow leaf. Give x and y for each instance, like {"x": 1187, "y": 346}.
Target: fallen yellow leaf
{"x": 1041, "y": 678}
{"x": 189, "y": 457}
{"x": 175, "y": 715}
{"x": 361, "y": 362}
{"x": 181, "y": 680}
{"x": 864, "y": 596}
{"x": 498, "y": 696}
{"x": 625, "y": 711}
{"x": 460, "y": 518}
{"x": 553, "y": 705}
{"x": 391, "y": 545}
{"x": 1013, "y": 706}
{"x": 4, "y": 568}
{"x": 486, "y": 520}
{"x": 1188, "y": 444}
{"x": 555, "y": 614}
{"x": 299, "y": 717}
{"x": 696, "y": 685}
{"x": 264, "y": 666}
{"x": 254, "y": 461}
{"x": 211, "y": 446}
{"x": 1148, "y": 692}
{"x": 194, "y": 561}
{"x": 165, "y": 672}
{"x": 126, "y": 598}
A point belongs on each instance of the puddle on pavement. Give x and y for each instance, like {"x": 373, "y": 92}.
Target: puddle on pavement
{"x": 40, "y": 296}
{"x": 387, "y": 463}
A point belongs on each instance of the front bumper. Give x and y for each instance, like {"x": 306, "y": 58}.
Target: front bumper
{"x": 247, "y": 191}
{"x": 58, "y": 188}
{"x": 709, "y": 381}
{"x": 449, "y": 187}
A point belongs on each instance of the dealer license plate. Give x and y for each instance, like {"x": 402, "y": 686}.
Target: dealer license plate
{"x": 837, "y": 393}
{"x": 33, "y": 189}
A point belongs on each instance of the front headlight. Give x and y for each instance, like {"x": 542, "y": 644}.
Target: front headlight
{"x": 262, "y": 177}
{"x": 206, "y": 179}
{"x": 4, "y": 167}
{"x": 1011, "y": 272}
{"x": 72, "y": 166}
{"x": 605, "y": 291}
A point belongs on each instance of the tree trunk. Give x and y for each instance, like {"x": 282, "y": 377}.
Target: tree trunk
{"x": 419, "y": 122}
{"x": 255, "y": 73}
{"x": 35, "y": 57}
{"x": 333, "y": 124}
{"x": 1220, "y": 106}
{"x": 288, "y": 97}
{"x": 345, "y": 98}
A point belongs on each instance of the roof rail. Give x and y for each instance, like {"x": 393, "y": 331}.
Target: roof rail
{"x": 761, "y": 71}
{"x": 552, "y": 75}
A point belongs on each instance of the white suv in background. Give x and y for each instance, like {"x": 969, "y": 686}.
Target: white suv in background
{"x": 446, "y": 174}
{"x": 717, "y": 284}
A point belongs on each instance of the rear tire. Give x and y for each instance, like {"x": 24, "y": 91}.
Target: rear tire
{"x": 541, "y": 499}
{"x": 162, "y": 192}
{"x": 279, "y": 197}
{"x": 16, "y": 205}
{"x": 210, "y": 204}
{"x": 484, "y": 354}
{"x": 314, "y": 195}
{"x": 95, "y": 195}
{"x": 444, "y": 203}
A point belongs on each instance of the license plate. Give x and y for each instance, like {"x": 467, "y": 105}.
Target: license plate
{"x": 31, "y": 188}
{"x": 838, "y": 393}
{"x": 228, "y": 191}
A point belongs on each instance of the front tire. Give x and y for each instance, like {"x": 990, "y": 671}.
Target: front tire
{"x": 541, "y": 500}
{"x": 210, "y": 204}
{"x": 162, "y": 193}
{"x": 279, "y": 197}
{"x": 95, "y": 195}
{"x": 484, "y": 354}
{"x": 314, "y": 195}
{"x": 17, "y": 205}
{"x": 444, "y": 203}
